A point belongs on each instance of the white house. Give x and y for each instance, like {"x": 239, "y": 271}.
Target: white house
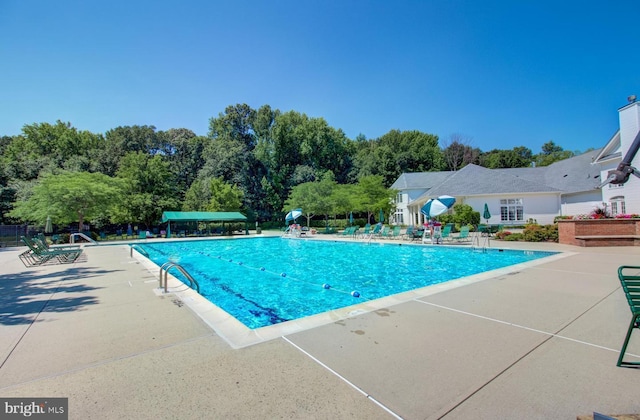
{"x": 515, "y": 195}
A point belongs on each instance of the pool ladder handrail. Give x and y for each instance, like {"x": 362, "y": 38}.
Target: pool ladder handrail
{"x": 168, "y": 266}
{"x": 139, "y": 249}
{"x": 483, "y": 242}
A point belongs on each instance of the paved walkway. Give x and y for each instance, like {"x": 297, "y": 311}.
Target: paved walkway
{"x": 541, "y": 342}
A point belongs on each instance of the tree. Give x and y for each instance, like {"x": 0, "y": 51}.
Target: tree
{"x": 312, "y": 197}
{"x": 518, "y": 157}
{"x": 552, "y": 153}
{"x": 373, "y": 195}
{"x": 122, "y": 140}
{"x": 212, "y": 195}
{"x": 46, "y": 147}
{"x": 458, "y": 152}
{"x": 69, "y": 197}
{"x": 397, "y": 152}
{"x": 150, "y": 188}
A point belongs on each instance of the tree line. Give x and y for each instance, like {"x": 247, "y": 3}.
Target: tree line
{"x": 262, "y": 162}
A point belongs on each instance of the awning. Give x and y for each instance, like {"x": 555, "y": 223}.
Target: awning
{"x": 203, "y": 216}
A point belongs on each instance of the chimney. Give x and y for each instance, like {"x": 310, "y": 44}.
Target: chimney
{"x": 629, "y": 124}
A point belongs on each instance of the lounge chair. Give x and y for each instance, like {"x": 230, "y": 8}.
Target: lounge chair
{"x": 408, "y": 234}
{"x": 367, "y": 230}
{"x": 463, "y": 235}
{"x": 395, "y": 233}
{"x": 446, "y": 233}
{"x": 38, "y": 255}
{"x": 41, "y": 241}
{"x": 384, "y": 232}
{"x": 631, "y": 286}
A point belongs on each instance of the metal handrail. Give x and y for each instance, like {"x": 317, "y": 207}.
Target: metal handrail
{"x": 168, "y": 266}
{"x": 140, "y": 250}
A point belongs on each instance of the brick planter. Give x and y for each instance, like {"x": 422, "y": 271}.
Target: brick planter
{"x": 599, "y": 232}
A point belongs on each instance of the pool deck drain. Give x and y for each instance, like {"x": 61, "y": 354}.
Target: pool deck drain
{"x": 537, "y": 342}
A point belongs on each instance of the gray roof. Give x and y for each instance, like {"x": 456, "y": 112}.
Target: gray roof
{"x": 420, "y": 180}
{"x": 571, "y": 175}
{"x": 476, "y": 180}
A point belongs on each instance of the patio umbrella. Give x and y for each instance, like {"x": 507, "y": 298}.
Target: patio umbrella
{"x": 48, "y": 226}
{"x": 486, "y": 214}
{"x": 293, "y": 215}
{"x": 437, "y": 206}
{"x": 351, "y": 218}
{"x": 381, "y": 216}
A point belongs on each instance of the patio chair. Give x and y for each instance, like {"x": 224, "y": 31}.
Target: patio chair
{"x": 463, "y": 235}
{"x": 408, "y": 234}
{"x": 41, "y": 241}
{"x": 446, "y": 233}
{"x": 38, "y": 255}
{"x": 395, "y": 233}
{"x": 631, "y": 286}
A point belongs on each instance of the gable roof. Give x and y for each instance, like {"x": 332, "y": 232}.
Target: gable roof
{"x": 611, "y": 150}
{"x": 570, "y": 175}
{"x": 576, "y": 174}
{"x": 203, "y": 216}
{"x": 477, "y": 180}
{"x": 420, "y": 180}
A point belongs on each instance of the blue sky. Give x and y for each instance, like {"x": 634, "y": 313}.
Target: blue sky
{"x": 500, "y": 74}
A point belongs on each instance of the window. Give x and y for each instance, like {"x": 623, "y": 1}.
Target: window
{"x": 511, "y": 210}
{"x": 399, "y": 198}
{"x": 399, "y": 216}
{"x": 617, "y": 205}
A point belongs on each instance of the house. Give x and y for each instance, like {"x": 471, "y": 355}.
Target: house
{"x": 516, "y": 195}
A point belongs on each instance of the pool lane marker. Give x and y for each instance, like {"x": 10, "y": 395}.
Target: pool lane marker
{"x": 345, "y": 380}
{"x": 354, "y": 293}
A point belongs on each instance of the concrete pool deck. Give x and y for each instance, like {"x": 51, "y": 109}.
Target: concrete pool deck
{"x": 536, "y": 342}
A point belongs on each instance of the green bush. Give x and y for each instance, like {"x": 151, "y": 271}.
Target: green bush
{"x": 514, "y": 237}
{"x": 537, "y": 233}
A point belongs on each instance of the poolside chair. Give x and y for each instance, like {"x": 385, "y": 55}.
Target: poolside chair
{"x": 631, "y": 286}
{"x": 395, "y": 234}
{"x": 446, "y": 233}
{"x": 366, "y": 231}
{"x": 408, "y": 234}
{"x": 463, "y": 235}
{"x": 38, "y": 255}
{"x": 41, "y": 241}
{"x": 384, "y": 232}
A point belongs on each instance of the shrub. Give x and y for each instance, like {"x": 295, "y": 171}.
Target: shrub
{"x": 514, "y": 237}
{"x": 537, "y": 233}
{"x": 503, "y": 234}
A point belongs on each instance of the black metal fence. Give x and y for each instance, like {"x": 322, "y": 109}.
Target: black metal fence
{"x": 10, "y": 234}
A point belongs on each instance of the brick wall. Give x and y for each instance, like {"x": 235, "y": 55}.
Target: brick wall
{"x": 569, "y": 229}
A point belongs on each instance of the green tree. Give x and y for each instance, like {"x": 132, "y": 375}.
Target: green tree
{"x": 397, "y": 152}
{"x": 45, "y": 147}
{"x": 212, "y": 195}
{"x": 518, "y": 157}
{"x": 374, "y": 196}
{"x": 150, "y": 188}
{"x": 68, "y": 197}
{"x": 552, "y": 153}
{"x": 314, "y": 198}
{"x": 122, "y": 140}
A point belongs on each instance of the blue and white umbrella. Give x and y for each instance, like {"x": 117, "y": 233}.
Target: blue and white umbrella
{"x": 437, "y": 206}
{"x": 293, "y": 215}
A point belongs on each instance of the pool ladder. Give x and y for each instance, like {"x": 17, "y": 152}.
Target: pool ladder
{"x": 168, "y": 266}
{"x": 139, "y": 249}
{"x": 480, "y": 243}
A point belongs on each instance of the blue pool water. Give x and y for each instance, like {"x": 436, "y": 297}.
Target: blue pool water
{"x": 265, "y": 281}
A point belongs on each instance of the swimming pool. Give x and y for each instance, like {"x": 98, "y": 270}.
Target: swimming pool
{"x": 267, "y": 281}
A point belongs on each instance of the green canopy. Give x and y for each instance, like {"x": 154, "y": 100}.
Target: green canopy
{"x": 202, "y": 216}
